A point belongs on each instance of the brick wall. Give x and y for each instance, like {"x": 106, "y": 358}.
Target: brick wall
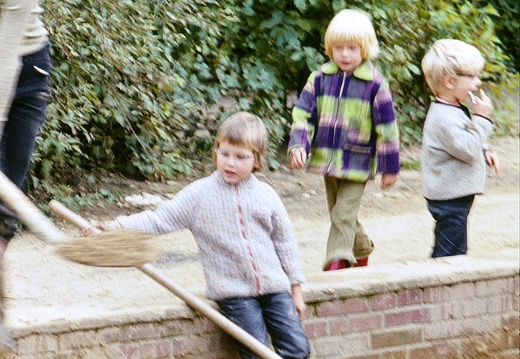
{"x": 469, "y": 319}
{"x": 459, "y": 307}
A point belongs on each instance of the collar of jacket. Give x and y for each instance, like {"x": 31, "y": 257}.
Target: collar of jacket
{"x": 247, "y": 182}
{"x": 362, "y": 72}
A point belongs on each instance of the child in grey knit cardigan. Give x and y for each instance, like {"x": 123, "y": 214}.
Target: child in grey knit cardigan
{"x": 245, "y": 238}
{"x": 454, "y": 151}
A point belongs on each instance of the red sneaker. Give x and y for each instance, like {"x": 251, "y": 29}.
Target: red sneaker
{"x": 336, "y": 264}
{"x": 362, "y": 262}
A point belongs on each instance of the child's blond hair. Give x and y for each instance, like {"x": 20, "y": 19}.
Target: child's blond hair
{"x": 352, "y": 26}
{"x": 246, "y": 130}
{"x": 450, "y": 57}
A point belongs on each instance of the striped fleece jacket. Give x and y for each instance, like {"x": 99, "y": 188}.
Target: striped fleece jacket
{"x": 347, "y": 123}
{"x": 243, "y": 232}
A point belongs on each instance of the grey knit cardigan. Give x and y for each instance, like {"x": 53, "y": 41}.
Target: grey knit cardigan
{"x": 243, "y": 232}
{"x": 453, "y": 162}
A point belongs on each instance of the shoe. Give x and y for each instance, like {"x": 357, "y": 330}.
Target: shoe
{"x": 362, "y": 262}
{"x": 336, "y": 264}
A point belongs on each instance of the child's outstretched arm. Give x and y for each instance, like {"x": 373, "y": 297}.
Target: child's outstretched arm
{"x": 301, "y": 308}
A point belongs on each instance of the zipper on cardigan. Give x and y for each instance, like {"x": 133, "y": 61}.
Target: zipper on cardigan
{"x": 336, "y": 121}
{"x": 244, "y": 236}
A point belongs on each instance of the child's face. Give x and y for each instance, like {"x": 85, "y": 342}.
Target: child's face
{"x": 347, "y": 56}
{"x": 464, "y": 83}
{"x": 234, "y": 163}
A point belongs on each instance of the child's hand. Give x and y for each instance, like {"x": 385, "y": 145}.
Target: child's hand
{"x": 388, "y": 180}
{"x": 106, "y": 226}
{"x": 492, "y": 159}
{"x": 482, "y": 105}
{"x": 298, "y": 158}
{"x": 301, "y": 308}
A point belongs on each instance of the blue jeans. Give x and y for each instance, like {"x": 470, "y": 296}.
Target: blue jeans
{"x": 274, "y": 314}
{"x": 25, "y": 119}
{"x": 451, "y": 225}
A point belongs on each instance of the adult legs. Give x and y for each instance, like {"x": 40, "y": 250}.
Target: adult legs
{"x": 18, "y": 139}
{"x": 25, "y": 119}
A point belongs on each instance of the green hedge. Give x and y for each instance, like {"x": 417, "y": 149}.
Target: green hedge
{"x": 139, "y": 84}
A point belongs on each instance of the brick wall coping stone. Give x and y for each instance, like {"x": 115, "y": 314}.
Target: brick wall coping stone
{"x": 355, "y": 282}
{"x": 365, "y": 281}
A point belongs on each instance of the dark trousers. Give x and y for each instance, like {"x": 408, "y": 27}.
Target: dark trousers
{"x": 25, "y": 119}
{"x": 274, "y": 314}
{"x": 451, "y": 225}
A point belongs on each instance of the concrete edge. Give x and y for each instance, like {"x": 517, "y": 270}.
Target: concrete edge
{"x": 367, "y": 281}
{"x": 323, "y": 286}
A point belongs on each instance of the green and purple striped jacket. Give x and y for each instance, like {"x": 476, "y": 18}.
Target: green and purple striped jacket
{"x": 347, "y": 123}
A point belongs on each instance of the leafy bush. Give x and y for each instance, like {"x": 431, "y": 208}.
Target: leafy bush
{"x": 140, "y": 86}
{"x": 508, "y": 29}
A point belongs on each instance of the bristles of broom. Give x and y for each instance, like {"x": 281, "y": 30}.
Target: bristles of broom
{"x": 121, "y": 248}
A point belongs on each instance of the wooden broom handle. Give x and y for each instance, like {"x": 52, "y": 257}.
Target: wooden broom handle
{"x": 189, "y": 298}
{"x": 71, "y": 217}
{"x": 28, "y": 213}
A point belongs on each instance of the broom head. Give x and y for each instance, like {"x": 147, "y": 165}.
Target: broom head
{"x": 120, "y": 248}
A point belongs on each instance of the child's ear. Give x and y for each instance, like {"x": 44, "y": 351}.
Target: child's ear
{"x": 449, "y": 81}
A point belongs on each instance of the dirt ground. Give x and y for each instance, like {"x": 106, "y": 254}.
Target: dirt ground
{"x": 396, "y": 219}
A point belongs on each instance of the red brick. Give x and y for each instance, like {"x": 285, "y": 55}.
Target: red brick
{"x": 179, "y": 346}
{"x": 315, "y": 329}
{"x": 455, "y": 310}
{"x": 354, "y": 324}
{"x": 511, "y": 321}
{"x": 515, "y": 340}
{"x": 141, "y": 331}
{"x": 515, "y": 285}
{"x": 130, "y": 351}
{"x": 439, "y": 312}
{"x": 499, "y": 304}
{"x": 435, "y": 351}
{"x": 354, "y": 305}
{"x": 154, "y": 350}
{"x": 376, "y": 356}
{"x": 474, "y": 307}
{"x": 516, "y": 302}
{"x": 328, "y": 347}
{"x": 383, "y": 301}
{"x": 420, "y": 315}
{"x": 436, "y": 294}
{"x": 492, "y": 287}
{"x": 408, "y": 297}
{"x": 395, "y": 338}
{"x": 394, "y": 354}
{"x": 353, "y": 345}
{"x": 462, "y": 291}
